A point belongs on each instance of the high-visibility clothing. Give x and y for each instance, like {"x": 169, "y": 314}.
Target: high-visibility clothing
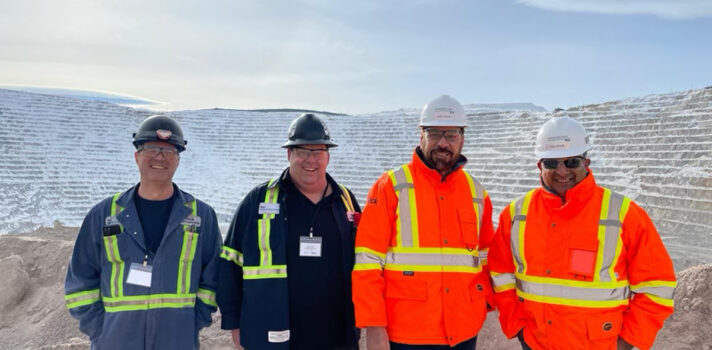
{"x": 181, "y": 297}
{"x": 421, "y": 255}
{"x": 579, "y": 272}
{"x": 252, "y": 290}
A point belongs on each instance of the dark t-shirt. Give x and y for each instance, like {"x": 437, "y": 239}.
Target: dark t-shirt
{"x": 154, "y": 218}
{"x": 317, "y": 301}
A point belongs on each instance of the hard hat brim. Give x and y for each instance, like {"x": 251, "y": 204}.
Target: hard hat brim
{"x": 300, "y": 142}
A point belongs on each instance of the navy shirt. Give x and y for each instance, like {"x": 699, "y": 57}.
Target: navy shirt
{"x": 317, "y": 285}
{"x": 154, "y": 218}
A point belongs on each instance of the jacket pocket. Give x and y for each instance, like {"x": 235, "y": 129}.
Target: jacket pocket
{"x": 480, "y": 288}
{"x": 407, "y": 288}
{"x": 582, "y": 252}
{"x": 604, "y": 326}
{"x": 468, "y": 226}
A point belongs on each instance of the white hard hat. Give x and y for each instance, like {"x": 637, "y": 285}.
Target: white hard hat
{"x": 443, "y": 111}
{"x": 561, "y": 137}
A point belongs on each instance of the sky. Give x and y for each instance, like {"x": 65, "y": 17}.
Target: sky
{"x": 357, "y": 57}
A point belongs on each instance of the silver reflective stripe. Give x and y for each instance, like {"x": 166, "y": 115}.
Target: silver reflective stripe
{"x": 519, "y": 217}
{"x": 231, "y": 255}
{"x": 153, "y": 301}
{"x": 406, "y": 229}
{"x": 403, "y": 186}
{"x": 612, "y": 233}
{"x": 662, "y": 292}
{"x": 369, "y": 258}
{"x": 571, "y": 292}
{"x": 502, "y": 279}
{"x": 253, "y": 271}
{"x": 431, "y": 259}
{"x": 207, "y": 296}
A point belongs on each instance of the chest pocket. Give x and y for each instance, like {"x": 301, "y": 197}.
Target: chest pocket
{"x": 468, "y": 226}
{"x": 581, "y": 256}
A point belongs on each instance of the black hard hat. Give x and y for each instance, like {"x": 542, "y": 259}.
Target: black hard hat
{"x": 160, "y": 128}
{"x": 308, "y": 129}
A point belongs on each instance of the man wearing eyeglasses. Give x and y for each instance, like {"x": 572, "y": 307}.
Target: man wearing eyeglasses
{"x": 144, "y": 270}
{"x": 420, "y": 279}
{"x": 287, "y": 259}
{"x": 575, "y": 265}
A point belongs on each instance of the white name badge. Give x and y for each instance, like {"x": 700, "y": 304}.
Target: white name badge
{"x": 140, "y": 275}
{"x": 278, "y": 336}
{"x": 309, "y": 246}
{"x": 268, "y": 208}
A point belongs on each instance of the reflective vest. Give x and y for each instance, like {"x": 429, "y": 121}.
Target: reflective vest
{"x": 421, "y": 250}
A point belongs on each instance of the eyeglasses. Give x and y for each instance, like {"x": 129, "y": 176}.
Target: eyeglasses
{"x": 451, "y": 135}
{"x": 571, "y": 163}
{"x": 153, "y": 151}
{"x": 305, "y": 153}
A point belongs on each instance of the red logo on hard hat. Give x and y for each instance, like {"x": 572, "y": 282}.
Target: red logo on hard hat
{"x": 164, "y": 134}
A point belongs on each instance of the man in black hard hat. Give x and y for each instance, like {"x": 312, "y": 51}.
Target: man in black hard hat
{"x": 144, "y": 269}
{"x": 287, "y": 259}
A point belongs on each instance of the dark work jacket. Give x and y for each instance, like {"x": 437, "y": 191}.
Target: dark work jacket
{"x": 260, "y": 307}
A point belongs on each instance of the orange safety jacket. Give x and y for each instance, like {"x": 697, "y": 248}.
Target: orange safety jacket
{"x": 421, "y": 250}
{"x": 579, "y": 273}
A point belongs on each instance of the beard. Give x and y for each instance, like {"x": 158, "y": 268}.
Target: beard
{"x": 442, "y": 159}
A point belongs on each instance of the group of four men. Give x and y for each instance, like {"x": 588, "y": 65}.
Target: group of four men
{"x": 572, "y": 265}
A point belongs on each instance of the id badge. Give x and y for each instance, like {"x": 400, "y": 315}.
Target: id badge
{"x": 139, "y": 275}
{"x": 268, "y": 208}
{"x": 309, "y": 246}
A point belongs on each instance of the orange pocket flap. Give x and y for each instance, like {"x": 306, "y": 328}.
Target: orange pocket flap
{"x": 468, "y": 225}
{"x": 407, "y": 287}
{"x": 604, "y": 326}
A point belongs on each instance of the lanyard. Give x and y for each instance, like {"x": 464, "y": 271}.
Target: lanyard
{"x": 316, "y": 212}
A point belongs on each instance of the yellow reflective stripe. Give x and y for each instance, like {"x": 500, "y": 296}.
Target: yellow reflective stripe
{"x": 517, "y": 232}
{"x": 368, "y": 257}
{"x": 117, "y": 265}
{"x": 483, "y": 256}
{"x": 619, "y": 246}
{"x": 394, "y": 182}
{"x": 473, "y": 193}
{"x": 259, "y": 272}
{"x": 572, "y": 302}
{"x": 230, "y": 254}
{"x": 367, "y": 266}
{"x": 82, "y": 298}
{"x": 432, "y": 268}
{"x": 370, "y": 251}
{"x": 207, "y": 296}
{"x": 146, "y": 302}
{"x": 571, "y": 283}
{"x": 655, "y": 283}
{"x": 661, "y": 292}
{"x": 346, "y": 198}
{"x": 504, "y": 287}
{"x": 187, "y": 254}
{"x": 264, "y": 226}
{"x": 116, "y": 209}
{"x": 661, "y": 301}
{"x": 432, "y": 259}
{"x": 413, "y": 209}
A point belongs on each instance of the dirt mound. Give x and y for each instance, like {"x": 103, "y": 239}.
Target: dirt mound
{"x": 36, "y": 316}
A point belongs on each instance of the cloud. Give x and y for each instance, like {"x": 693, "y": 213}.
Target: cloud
{"x": 678, "y": 9}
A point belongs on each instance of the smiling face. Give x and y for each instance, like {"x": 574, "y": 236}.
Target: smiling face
{"x": 307, "y": 166}
{"x": 441, "y": 147}
{"x": 158, "y": 168}
{"x": 563, "y": 178}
